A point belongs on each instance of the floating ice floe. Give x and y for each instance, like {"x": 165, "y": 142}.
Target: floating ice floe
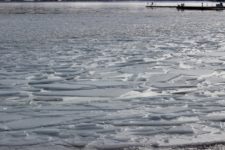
{"x": 184, "y": 66}
{"x": 109, "y": 92}
{"x": 199, "y": 141}
{"x": 49, "y": 99}
{"x": 137, "y": 94}
{"x": 9, "y": 93}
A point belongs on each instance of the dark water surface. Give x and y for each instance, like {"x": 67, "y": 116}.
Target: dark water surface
{"x": 110, "y": 76}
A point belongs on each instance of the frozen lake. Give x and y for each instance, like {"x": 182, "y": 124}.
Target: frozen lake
{"x": 109, "y": 76}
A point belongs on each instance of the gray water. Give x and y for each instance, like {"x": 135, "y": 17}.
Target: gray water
{"x": 110, "y": 76}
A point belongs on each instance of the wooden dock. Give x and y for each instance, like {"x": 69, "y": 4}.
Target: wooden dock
{"x": 200, "y": 8}
{"x": 182, "y": 6}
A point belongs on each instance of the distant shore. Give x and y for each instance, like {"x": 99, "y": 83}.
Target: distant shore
{"x": 27, "y": 1}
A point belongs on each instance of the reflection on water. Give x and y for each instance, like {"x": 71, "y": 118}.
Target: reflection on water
{"x": 62, "y": 7}
{"x": 73, "y": 7}
{"x": 110, "y": 76}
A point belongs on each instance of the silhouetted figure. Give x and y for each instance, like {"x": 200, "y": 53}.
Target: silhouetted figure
{"x": 219, "y": 5}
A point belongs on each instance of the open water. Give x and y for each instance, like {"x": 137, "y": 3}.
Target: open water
{"x": 110, "y": 76}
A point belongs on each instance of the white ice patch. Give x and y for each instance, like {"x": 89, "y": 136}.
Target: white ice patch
{"x": 201, "y": 140}
{"x": 184, "y": 66}
{"x": 216, "y": 116}
{"x": 220, "y": 74}
{"x": 136, "y": 94}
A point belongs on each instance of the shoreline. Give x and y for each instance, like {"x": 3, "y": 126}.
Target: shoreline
{"x": 108, "y": 1}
